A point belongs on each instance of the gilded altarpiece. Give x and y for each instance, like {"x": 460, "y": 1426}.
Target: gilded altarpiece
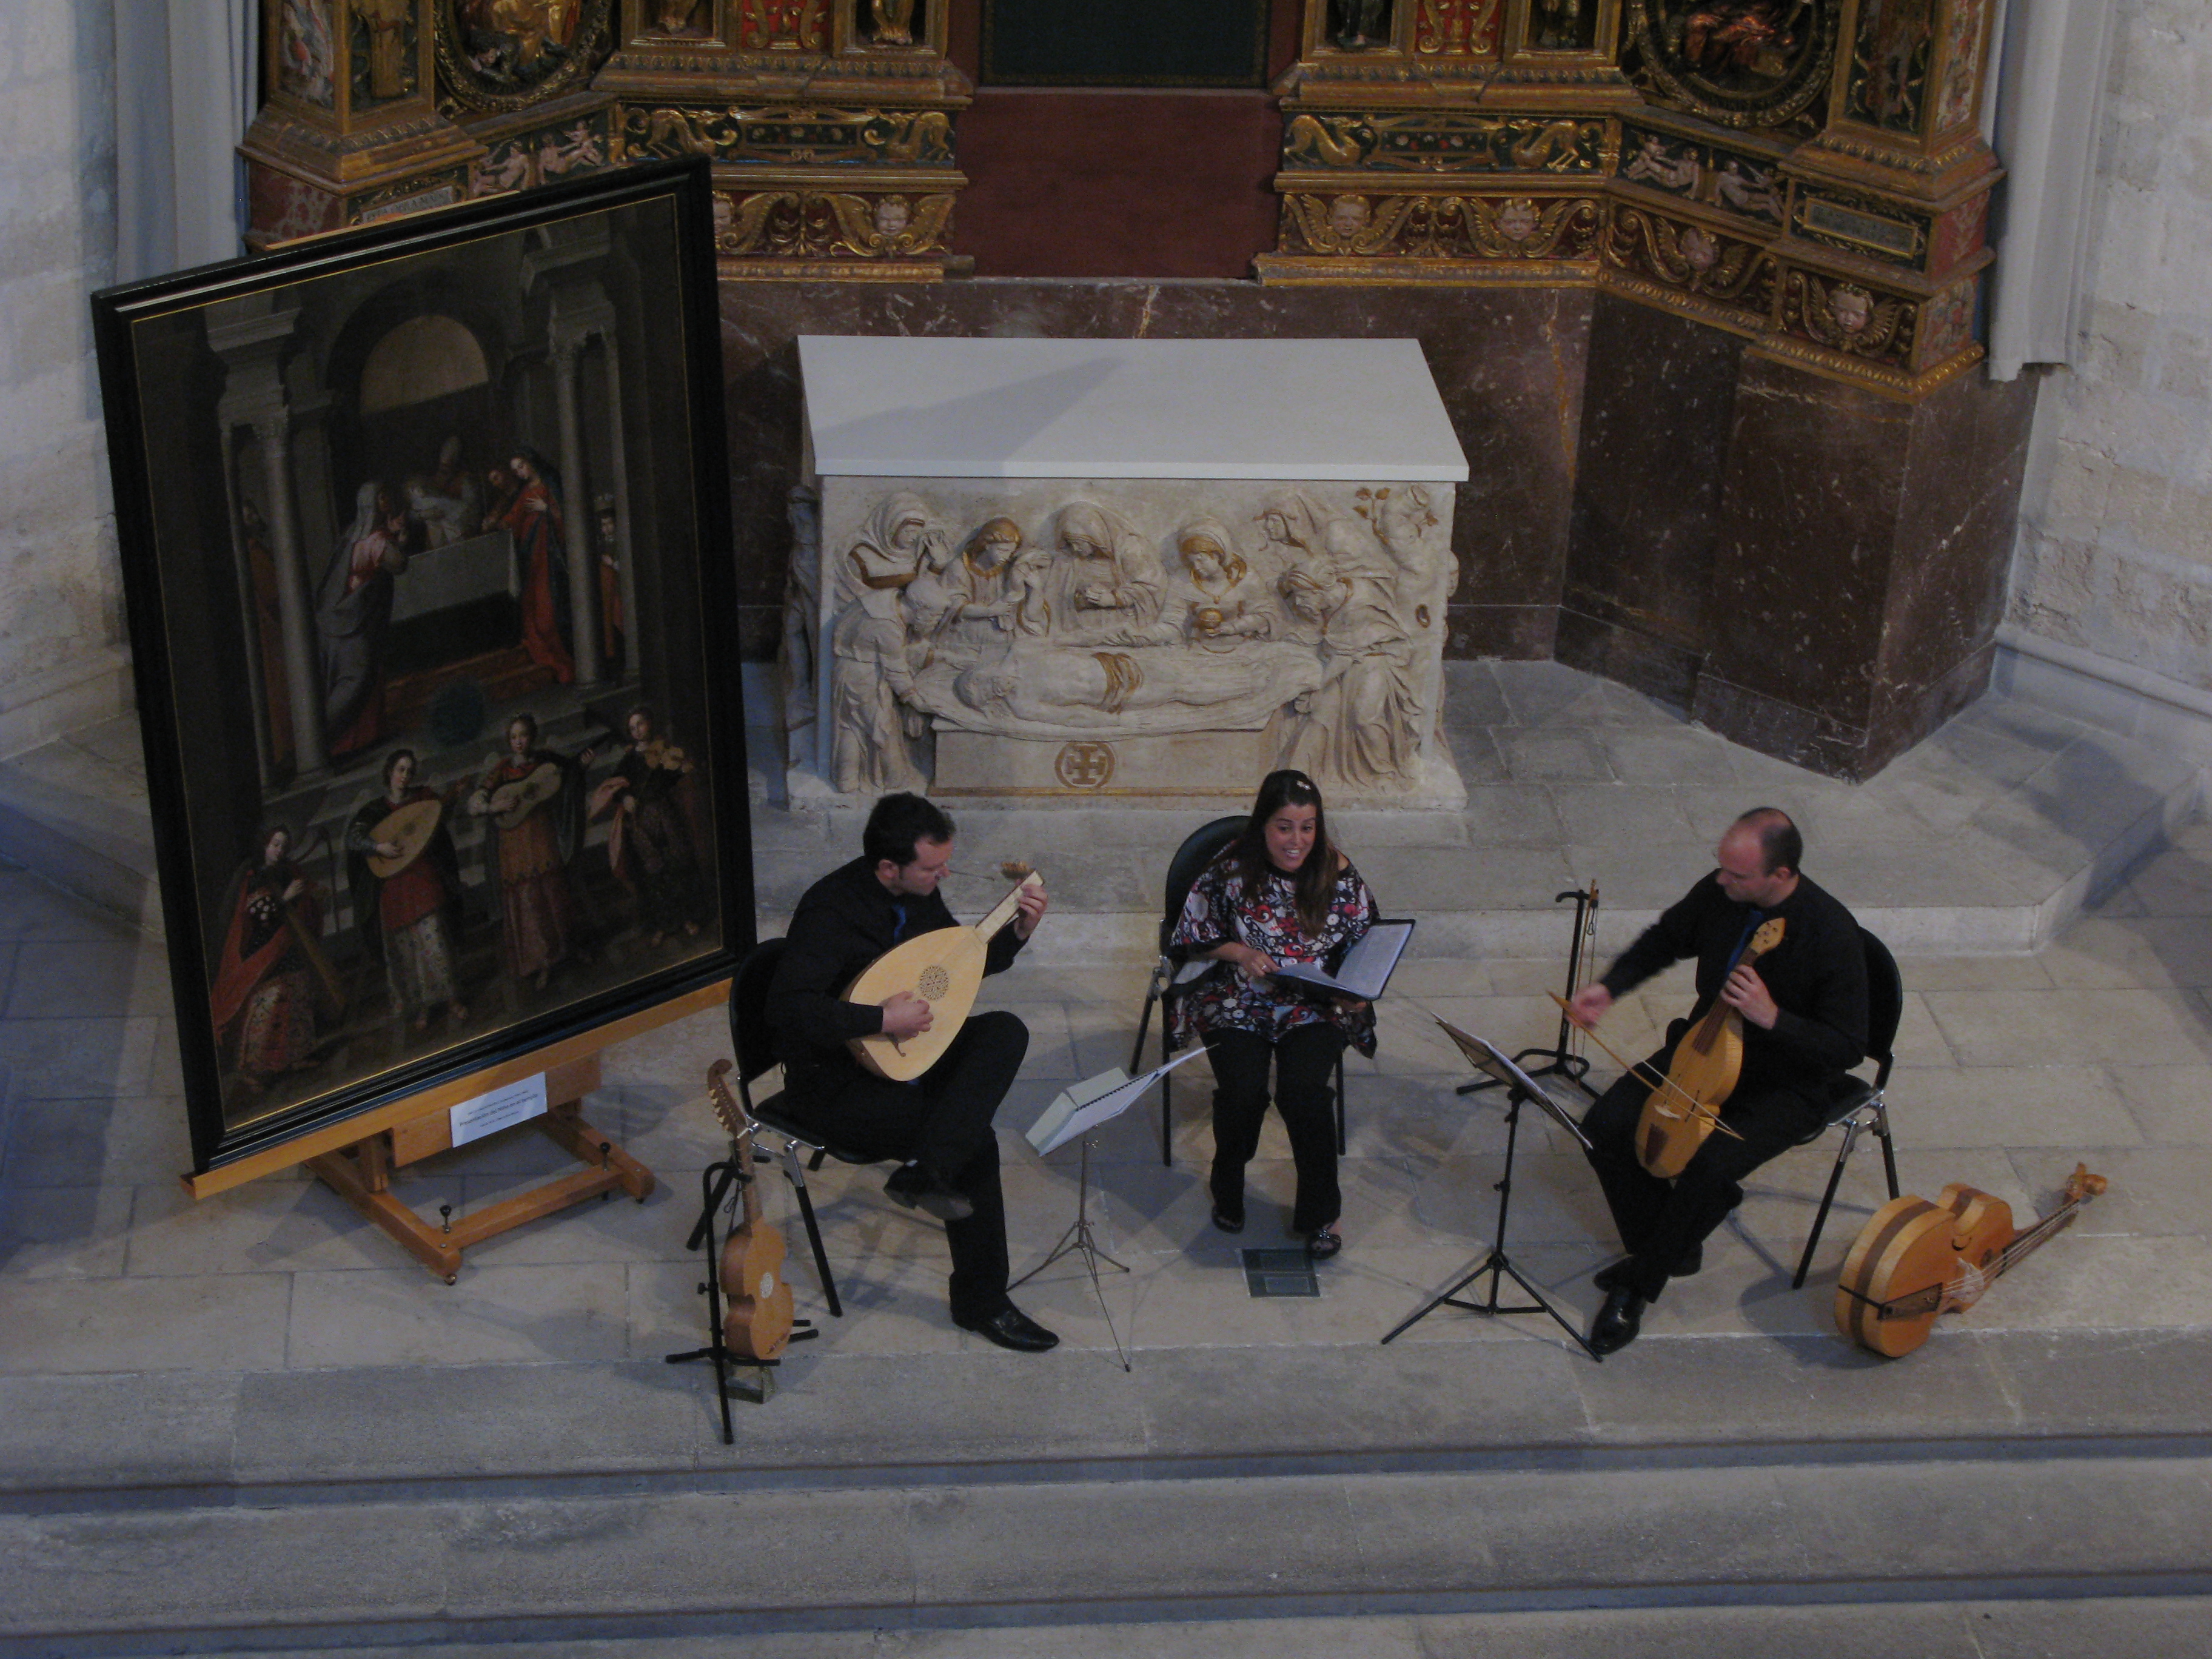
{"x": 828, "y": 123}
{"x": 1807, "y": 174}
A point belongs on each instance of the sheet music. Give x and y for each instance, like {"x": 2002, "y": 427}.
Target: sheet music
{"x": 1084, "y": 1106}
{"x": 1366, "y": 968}
{"x": 1493, "y": 1063}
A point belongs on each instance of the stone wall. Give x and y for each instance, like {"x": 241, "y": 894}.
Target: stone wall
{"x": 62, "y": 662}
{"x": 2115, "y": 548}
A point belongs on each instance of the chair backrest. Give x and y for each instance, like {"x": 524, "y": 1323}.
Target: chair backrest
{"x": 1884, "y": 999}
{"x": 1200, "y": 848}
{"x": 750, "y": 1032}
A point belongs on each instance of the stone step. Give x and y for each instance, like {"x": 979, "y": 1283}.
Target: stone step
{"x": 1991, "y": 1627}
{"x": 520, "y": 1563}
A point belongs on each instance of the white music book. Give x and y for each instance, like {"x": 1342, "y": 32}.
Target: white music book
{"x": 1082, "y": 1107}
{"x": 1366, "y": 968}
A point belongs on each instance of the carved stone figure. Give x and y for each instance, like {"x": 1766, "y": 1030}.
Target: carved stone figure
{"x": 874, "y": 717}
{"x": 1218, "y": 600}
{"x": 1104, "y": 581}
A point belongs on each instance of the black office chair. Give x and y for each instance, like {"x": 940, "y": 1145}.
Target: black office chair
{"x": 749, "y": 1036}
{"x": 1174, "y": 973}
{"x": 1856, "y": 1105}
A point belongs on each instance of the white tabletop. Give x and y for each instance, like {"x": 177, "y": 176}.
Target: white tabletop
{"x": 889, "y": 406}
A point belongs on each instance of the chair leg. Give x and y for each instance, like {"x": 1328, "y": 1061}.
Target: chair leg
{"x": 798, "y": 1178}
{"x": 1167, "y": 1101}
{"x": 1340, "y": 1140}
{"x": 1144, "y": 1026}
{"x": 1827, "y": 1198}
{"x": 1888, "y": 1146}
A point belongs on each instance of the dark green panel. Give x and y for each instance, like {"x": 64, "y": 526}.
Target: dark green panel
{"x": 1124, "y": 43}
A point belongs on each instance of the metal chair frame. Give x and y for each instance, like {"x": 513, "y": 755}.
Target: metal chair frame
{"x": 755, "y": 1054}
{"x": 1862, "y": 1106}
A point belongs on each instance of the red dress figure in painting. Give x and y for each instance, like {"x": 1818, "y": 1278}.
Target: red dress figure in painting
{"x": 265, "y": 982}
{"x": 542, "y": 925}
{"x": 541, "y": 540}
{"x": 409, "y": 921}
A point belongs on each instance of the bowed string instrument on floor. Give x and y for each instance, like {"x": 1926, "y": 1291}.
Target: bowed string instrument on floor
{"x": 1914, "y": 1259}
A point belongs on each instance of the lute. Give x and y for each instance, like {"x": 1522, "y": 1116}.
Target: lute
{"x": 945, "y": 968}
{"x": 756, "y": 1314}
{"x": 1914, "y": 1259}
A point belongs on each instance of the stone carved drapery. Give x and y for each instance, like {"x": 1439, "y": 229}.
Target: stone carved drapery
{"x": 1145, "y": 637}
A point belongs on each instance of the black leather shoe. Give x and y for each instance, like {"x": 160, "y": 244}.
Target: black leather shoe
{"x": 1325, "y": 1243}
{"x": 1227, "y": 1220}
{"x": 1618, "y": 1322}
{"x": 913, "y": 1187}
{"x": 1010, "y": 1328}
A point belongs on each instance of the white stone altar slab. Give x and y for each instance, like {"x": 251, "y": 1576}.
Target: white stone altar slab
{"x": 1347, "y": 411}
{"x": 1068, "y": 569}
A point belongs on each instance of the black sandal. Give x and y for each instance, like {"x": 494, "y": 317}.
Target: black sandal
{"x": 1228, "y": 1221}
{"x": 1325, "y": 1243}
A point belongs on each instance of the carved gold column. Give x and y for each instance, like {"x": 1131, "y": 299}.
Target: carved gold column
{"x": 829, "y": 124}
{"x": 1880, "y": 263}
{"x": 351, "y": 130}
{"x": 1447, "y": 140}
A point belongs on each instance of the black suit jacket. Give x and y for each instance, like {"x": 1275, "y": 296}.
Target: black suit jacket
{"x": 844, "y": 922}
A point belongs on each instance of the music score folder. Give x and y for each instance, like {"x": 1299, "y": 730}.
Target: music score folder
{"x": 1366, "y": 968}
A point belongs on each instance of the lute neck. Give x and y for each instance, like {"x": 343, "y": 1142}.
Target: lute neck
{"x": 1003, "y": 912}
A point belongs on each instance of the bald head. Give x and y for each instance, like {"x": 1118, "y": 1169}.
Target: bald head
{"x": 1758, "y": 858}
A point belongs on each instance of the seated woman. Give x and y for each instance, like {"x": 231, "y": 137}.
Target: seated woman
{"x": 1280, "y": 892}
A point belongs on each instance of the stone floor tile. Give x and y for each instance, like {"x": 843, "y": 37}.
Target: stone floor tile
{"x": 67, "y": 978}
{"x": 2105, "y": 953}
{"x": 1549, "y": 755}
{"x": 2172, "y": 1104}
{"x": 1634, "y": 813}
{"x": 2175, "y": 883}
{"x": 2154, "y": 1191}
{"x": 1537, "y": 693}
{"x": 64, "y": 1233}
{"x": 211, "y": 1322}
{"x": 125, "y": 1140}
{"x": 401, "y": 1315}
{"x": 31, "y": 912}
{"x": 1920, "y": 1041}
{"x": 2008, "y": 1106}
{"x": 2056, "y": 1028}
{"x": 2082, "y": 1281}
{"x": 2019, "y": 972}
{"x": 1667, "y": 756}
{"x": 79, "y": 1058}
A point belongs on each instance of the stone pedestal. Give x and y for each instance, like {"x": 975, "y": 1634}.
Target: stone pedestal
{"x": 1061, "y": 569}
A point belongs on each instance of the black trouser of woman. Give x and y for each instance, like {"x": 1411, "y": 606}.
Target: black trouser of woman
{"x": 1305, "y": 1069}
{"x": 1661, "y": 1221}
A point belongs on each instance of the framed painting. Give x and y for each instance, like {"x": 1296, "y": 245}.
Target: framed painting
{"x": 425, "y": 532}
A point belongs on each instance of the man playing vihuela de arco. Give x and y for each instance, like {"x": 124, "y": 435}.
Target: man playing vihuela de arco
{"x": 1804, "y": 1016}
{"x": 940, "y": 1124}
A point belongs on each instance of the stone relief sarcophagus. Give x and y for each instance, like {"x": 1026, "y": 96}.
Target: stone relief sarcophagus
{"x": 1132, "y": 568}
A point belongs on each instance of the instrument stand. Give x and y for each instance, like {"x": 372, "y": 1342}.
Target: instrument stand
{"x": 1078, "y": 1241}
{"x": 1559, "y": 1060}
{"x": 715, "y": 1182}
{"x": 1497, "y": 1263}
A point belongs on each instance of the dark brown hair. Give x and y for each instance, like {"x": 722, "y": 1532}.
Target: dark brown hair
{"x": 1316, "y": 880}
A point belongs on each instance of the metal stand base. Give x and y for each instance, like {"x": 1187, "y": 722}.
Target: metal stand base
{"x": 715, "y": 1182}
{"x": 1078, "y": 1241}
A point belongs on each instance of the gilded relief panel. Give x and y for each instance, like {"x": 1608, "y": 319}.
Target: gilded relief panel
{"x": 1445, "y": 140}
{"x": 1738, "y": 182}
{"x": 1888, "y": 84}
{"x": 1741, "y": 63}
{"x": 384, "y": 40}
{"x": 1463, "y": 29}
{"x": 1441, "y": 227}
{"x": 1697, "y": 264}
{"x": 792, "y": 137}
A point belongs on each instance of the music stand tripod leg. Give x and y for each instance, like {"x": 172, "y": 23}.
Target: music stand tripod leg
{"x": 1078, "y": 1241}
{"x": 1498, "y": 1264}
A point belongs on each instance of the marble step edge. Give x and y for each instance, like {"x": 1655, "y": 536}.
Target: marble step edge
{"x": 1083, "y": 1552}
{"x": 123, "y": 1440}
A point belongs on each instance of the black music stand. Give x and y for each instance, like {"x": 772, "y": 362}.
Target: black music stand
{"x": 715, "y": 1182}
{"x": 1519, "y": 1085}
{"x": 1559, "y": 1060}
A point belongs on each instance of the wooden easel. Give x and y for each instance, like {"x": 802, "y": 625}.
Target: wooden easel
{"x": 356, "y": 1159}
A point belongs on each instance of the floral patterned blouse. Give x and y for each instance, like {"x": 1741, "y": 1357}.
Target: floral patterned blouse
{"x": 1219, "y": 910}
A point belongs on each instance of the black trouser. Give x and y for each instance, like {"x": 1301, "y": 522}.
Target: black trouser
{"x": 941, "y": 1121}
{"x": 1661, "y": 1221}
{"x": 1305, "y": 1069}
